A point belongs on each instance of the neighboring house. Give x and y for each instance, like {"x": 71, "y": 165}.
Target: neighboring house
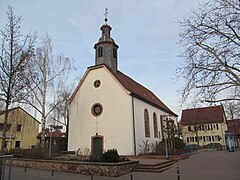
{"x": 204, "y": 125}
{"x": 108, "y": 109}
{"x": 22, "y": 129}
{"x": 55, "y": 138}
{"x": 234, "y": 128}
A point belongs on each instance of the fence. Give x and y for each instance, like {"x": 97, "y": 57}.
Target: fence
{"x": 5, "y": 161}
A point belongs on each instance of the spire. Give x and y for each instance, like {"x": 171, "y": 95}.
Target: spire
{"x": 106, "y": 48}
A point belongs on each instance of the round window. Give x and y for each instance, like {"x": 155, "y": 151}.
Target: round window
{"x": 97, "y": 83}
{"x": 97, "y": 109}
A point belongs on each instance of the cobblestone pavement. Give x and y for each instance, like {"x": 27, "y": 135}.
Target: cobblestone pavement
{"x": 209, "y": 165}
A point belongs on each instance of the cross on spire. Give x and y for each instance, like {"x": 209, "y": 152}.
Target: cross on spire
{"x": 105, "y": 14}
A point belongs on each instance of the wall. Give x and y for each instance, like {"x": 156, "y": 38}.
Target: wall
{"x": 29, "y": 130}
{"x": 114, "y": 124}
{"x": 139, "y": 107}
{"x": 102, "y": 169}
{"x": 215, "y": 132}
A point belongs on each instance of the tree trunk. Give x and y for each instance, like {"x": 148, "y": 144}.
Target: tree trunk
{"x": 44, "y": 103}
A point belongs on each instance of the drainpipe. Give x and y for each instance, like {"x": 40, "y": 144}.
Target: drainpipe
{"x": 134, "y": 128}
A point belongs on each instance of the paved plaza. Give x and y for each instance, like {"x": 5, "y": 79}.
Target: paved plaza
{"x": 208, "y": 165}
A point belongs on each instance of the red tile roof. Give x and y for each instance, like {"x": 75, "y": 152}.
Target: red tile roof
{"x": 137, "y": 90}
{"x": 233, "y": 126}
{"x": 140, "y": 92}
{"x": 205, "y": 115}
{"x": 53, "y": 134}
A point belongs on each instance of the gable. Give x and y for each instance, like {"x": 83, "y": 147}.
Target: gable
{"x": 131, "y": 87}
{"x": 84, "y": 78}
{"x": 19, "y": 109}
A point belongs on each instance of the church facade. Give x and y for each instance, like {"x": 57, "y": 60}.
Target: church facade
{"x": 108, "y": 109}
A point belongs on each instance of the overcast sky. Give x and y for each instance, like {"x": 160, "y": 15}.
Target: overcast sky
{"x": 146, "y": 31}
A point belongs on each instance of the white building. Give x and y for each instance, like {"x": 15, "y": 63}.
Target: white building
{"x": 109, "y": 110}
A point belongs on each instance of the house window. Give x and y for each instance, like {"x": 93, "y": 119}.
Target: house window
{"x": 192, "y": 139}
{"x": 100, "y": 51}
{"x": 217, "y": 126}
{"x": 196, "y": 139}
{"x": 17, "y": 144}
{"x": 204, "y": 139}
{"x": 188, "y": 139}
{"x": 8, "y": 126}
{"x": 1, "y": 126}
{"x": 216, "y": 138}
{"x": 19, "y": 127}
{"x": 196, "y": 127}
{"x": 146, "y": 123}
{"x": 189, "y": 128}
{"x": 208, "y": 126}
{"x": 155, "y": 126}
{"x": 199, "y": 128}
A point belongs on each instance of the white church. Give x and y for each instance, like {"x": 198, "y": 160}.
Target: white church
{"x": 108, "y": 109}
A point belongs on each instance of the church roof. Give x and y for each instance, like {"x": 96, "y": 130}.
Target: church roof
{"x": 136, "y": 90}
{"x": 204, "y": 115}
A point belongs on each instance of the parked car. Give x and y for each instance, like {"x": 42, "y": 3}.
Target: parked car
{"x": 192, "y": 147}
{"x": 217, "y": 146}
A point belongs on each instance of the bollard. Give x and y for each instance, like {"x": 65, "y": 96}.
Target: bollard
{"x": 131, "y": 174}
{"x": 53, "y": 170}
{"x": 25, "y": 168}
{"x": 91, "y": 176}
{"x": 178, "y": 174}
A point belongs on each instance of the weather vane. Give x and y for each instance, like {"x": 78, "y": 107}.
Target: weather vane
{"x": 105, "y": 14}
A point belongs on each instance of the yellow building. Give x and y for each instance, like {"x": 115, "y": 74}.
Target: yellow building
{"x": 22, "y": 129}
{"x": 203, "y": 126}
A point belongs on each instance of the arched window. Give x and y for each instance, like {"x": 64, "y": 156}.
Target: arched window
{"x": 114, "y": 53}
{"x": 155, "y": 126}
{"x": 100, "y": 51}
{"x": 146, "y": 123}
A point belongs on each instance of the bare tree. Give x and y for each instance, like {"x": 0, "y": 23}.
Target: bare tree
{"x": 171, "y": 132}
{"x": 211, "y": 38}
{"x": 232, "y": 109}
{"x": 17, "y": 51}
{"x": 59, "y": 114}
{"x": 47, "y": 76}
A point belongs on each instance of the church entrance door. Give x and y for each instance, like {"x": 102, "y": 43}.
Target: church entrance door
{"x": 97, "y": 146}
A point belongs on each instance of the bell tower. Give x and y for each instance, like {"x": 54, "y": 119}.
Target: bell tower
{"x": 106, "y": 48}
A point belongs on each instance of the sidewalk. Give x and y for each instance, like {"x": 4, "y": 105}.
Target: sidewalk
{"x": 209, "y": 165}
